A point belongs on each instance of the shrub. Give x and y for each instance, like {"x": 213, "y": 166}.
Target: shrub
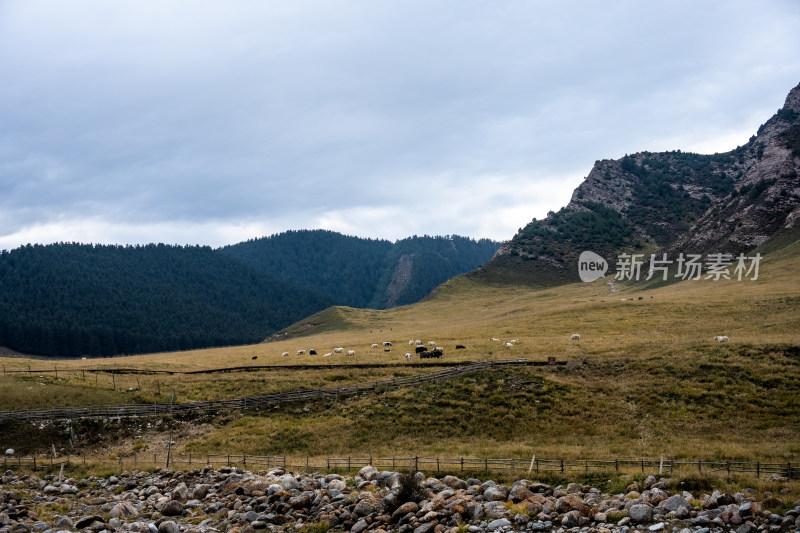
{"x": 410, "y": 490}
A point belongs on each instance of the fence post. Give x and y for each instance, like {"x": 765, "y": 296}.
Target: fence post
{"x": 700, "y": 467}
{"x": 462, "y": 464}
{"x": 328, "y": 459}
{"x": 616, "y": 465}
{"x": 562, "y": 466}
{"x": 729, "y": 468}
{"x": 512, "y": 466}
{"x": 416, "y": 464}
{"x": 758, "y": 469}
{"x": 348, "y": 463}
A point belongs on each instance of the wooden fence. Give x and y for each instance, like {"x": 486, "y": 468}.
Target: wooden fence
{"x": 515, "y": 466}
{"x": 156, "y": 409}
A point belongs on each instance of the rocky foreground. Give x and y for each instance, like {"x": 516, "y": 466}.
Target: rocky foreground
{"x": 230, "y": 499}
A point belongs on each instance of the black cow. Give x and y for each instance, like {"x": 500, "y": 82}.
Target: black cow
{"x": 312, "y": 352}
{"x": 460, "y": 347}
{"x": 429, "y": 355}
{"x": 420, "y": 349}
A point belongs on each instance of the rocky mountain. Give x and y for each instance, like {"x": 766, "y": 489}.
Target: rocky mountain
{"x": 670, "y": 202}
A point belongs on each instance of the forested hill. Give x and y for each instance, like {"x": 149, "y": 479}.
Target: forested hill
{"x": 82, "y": 299}
{"x": 363, "y": 272}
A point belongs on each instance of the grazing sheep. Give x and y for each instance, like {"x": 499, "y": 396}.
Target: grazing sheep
{"x": 285, "y": 354}
{"x": 411, "y": 343}
{"x": 387, "y": 343}
{"x": 514, "y": 340}
{"x": 438, "y": 349}
{"x": 460, "y": 347}
{"x": 575, "y": 337}
{"x": 418, "y": 342}
{"x": 312, "y": 352}
{"x": 431, "y": 343}
{"x": 351, "y": 352}
{"x": 374, "y": 345}
{"x": 721, "y": 338}
{"x": 338, "y": 350}
{"x": 255, "y": 357}
{"x": 327, "y": 354}
{"x": 508, "y": 344}
{"x": 494, "y": 339}
{"x": 408, "y": 357}
{"x": 301, "y": 352}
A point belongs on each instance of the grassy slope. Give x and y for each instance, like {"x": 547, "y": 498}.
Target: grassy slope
{"x": 653, "y": 382}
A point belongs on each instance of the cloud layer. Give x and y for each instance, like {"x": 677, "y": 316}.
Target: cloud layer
{"x": 209, "y": 123}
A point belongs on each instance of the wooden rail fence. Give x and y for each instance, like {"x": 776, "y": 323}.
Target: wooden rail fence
{"x": 156, "y": 409}
{"x": 530, "y": 467}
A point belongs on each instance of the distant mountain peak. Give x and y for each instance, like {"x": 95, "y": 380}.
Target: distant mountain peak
{"x": 671, "y": 201}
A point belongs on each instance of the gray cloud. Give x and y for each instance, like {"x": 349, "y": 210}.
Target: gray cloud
{"x": 202, "y": 122}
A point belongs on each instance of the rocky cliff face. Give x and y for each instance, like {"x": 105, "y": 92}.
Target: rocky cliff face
{"x": 671, "y": 201}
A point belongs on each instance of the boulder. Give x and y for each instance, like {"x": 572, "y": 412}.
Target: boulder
{"x": 168, "y": 526}
{"x": 455, "y": 483}
{"x": 640, "y": 513}
{"x": 123, "y": 510}
{"x": 368, "y": 473}
{"x": 172, "y": 508}
{"x": 496, "y": 493}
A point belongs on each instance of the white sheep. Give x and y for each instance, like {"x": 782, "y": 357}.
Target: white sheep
{"x": 575, "y": 337}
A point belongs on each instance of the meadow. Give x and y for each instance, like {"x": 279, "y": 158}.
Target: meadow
{"x": 652, "y": 380}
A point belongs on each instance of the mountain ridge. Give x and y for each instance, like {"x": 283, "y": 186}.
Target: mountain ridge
{"x": 670, "y": 202}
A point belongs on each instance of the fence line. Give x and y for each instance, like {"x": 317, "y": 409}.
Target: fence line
{"x": 515, "y": 465}
{"x": 155, "y": 409}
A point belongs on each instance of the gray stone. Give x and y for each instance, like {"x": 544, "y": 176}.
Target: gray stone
{"x": 674, "y": 502}
{"x": 454, "y": 482}
{"x": 496, "y": 493}
{"x": 570, "y": 519}
{"x": 359, "y": 526}
{"x": 123, "y": 510}
{"x": 640, "y": 513}
{"x": 368, "y": 473}
{"x": 289, "y": 482}
{"x": 519, "y": 492}
{"x": 180, "y": 492}
{"x": 172, "y": 508}
{"x": 337, "y": 484}
{"x": 86, "y": 521}
{"x": 409, "y": 507}
{"x": 656, "y": 527}
{"x": 427, "y": 527}
{"x": 168, "y": 526}
{"x": 497, "y": 524}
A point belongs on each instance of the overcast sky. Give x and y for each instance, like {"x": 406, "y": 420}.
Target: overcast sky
{"x": 200, "y": 122}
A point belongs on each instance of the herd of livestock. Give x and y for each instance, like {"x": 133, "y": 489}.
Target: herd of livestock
{"x": 419, "y": 348}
